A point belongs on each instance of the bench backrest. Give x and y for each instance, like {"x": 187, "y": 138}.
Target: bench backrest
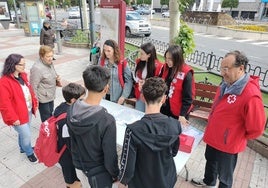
{"x": 204, "y": 95}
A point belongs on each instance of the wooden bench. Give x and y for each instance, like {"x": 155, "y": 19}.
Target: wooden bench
{"x": 205, "y": 94}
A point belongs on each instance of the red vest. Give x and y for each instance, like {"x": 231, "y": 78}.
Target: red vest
{"x": 120, "y": 66}
{"x": 175, "y": 89}
{"x": 158, "y": 68}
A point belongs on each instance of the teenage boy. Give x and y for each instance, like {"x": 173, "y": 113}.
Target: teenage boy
{"x": 93, "y": 131}
{"x": 150, "y": 143}
{"x": 71, "y": 93}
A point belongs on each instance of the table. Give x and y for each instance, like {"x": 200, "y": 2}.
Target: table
{"x": 125, "y": 115}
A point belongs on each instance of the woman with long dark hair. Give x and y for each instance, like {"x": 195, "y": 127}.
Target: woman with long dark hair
{"x": 147, "y": 65}
{"x": 179, "y": 78}
{"x": 18, "y": 102}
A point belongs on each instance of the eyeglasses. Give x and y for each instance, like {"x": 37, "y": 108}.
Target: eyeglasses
{"x": 23, "y": 65}
{"x": 226, "y": 69}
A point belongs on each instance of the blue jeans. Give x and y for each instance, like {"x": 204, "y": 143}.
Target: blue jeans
{"x": 46, "y": 110}
{"x": 140, "y": 105}
{"x": 24, "y": 136}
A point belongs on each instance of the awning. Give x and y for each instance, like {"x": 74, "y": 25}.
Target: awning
{"x": 264, "y": 1}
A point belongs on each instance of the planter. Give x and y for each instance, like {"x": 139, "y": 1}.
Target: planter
{"x": 75, "y": 45}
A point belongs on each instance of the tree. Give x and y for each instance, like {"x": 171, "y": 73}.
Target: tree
{"x": 230, "y": 4}
{"x": 185, "y": 4}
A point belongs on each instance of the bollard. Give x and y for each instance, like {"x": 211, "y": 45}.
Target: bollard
{"x": 58, "y": 41}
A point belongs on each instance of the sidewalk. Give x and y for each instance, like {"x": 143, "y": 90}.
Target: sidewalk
{"x": 16, "y": 171}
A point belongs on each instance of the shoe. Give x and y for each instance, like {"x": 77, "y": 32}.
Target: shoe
{"x": 53, "y": 58}
{"x": 32, "y": 158}
{"x": 198, "y": 183}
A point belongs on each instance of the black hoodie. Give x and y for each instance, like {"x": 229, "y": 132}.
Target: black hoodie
{"x": 93, "y": 138}
{"x": 147, "y": 156}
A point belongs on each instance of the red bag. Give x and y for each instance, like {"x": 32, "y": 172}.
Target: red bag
{"x": 186, "y": 143}
{"x": 46, "y": 144}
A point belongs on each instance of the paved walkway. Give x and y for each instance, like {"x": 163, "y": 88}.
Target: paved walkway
{"x": 15, "y": 169}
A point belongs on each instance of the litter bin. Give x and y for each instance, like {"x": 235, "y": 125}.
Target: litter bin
{"x": 94, "y": 55}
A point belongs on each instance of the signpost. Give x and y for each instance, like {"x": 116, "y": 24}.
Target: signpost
{"x": 113, "y": 20}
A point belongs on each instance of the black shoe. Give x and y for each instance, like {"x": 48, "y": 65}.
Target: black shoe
{"x": 32, "y": 158}
{"x": 53, "y": 58}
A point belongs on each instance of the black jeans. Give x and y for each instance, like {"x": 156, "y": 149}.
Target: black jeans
{"x": 46, "y": 110}
{"x": 219, "y": 164}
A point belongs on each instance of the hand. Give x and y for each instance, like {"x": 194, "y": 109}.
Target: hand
{"x": 121, "y": 100}
{"x": 16, "y": 123}
{"x": 120, "y": 185}
{"x": 141, "y": 82}
{"x": 58, "y": 78}
{"x": 184, "y": 122}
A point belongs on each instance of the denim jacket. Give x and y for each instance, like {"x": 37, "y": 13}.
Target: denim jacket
{"x": 116, "y": 91}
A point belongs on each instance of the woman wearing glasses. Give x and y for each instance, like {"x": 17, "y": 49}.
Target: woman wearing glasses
{"x": 18, "y": 102}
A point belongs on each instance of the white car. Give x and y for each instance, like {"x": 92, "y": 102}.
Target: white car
{"x": 165, "y": 14}
{"x": 74, "y": 12}
{"x": 136, "y": 25}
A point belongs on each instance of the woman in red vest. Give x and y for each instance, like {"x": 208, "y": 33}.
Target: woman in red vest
{"x": 146, "y": 66}
{"x": 179, "y": 78}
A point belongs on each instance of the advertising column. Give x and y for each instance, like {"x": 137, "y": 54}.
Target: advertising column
{"x": 112, "y": 22}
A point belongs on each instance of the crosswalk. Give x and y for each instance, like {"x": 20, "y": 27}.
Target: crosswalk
{"x": 249, "y": 41}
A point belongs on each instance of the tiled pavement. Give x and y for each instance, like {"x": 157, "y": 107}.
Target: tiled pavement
{"x": 16, "y": 171}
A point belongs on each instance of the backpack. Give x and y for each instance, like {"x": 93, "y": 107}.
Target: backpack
{"x": 46, "y": 144}
{"x": 121, "y": 66}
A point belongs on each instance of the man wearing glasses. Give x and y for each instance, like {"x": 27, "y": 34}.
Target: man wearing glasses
{"x": 236, "y": 116}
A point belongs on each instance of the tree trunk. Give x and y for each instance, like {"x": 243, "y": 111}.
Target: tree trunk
{"x": 174, "y": 20}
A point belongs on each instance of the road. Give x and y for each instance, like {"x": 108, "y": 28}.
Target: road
{"x": 256, "y": 51}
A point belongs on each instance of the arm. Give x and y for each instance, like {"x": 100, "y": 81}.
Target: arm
{"x": 35, "y": 78}
{"x": 128, "y": 158}
{"x": 8, "y": 113}
{"x": 128, "y": 84}
{"x": 109, "y": 149}
{"x": 186, "y": 94}
{"x": 254, "y": 118}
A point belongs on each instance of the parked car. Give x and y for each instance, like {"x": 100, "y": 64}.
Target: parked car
{"x": 73, "y": 12}
{"x": 136, "y": 25}
{"x": 145, "y": 11}
{"x": 165, "y": 14}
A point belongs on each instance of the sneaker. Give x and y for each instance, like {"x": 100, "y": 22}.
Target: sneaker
{"x": 32, "y": 158}
{"x": 198, "y": 183}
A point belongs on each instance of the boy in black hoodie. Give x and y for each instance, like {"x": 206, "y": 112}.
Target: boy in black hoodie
{"x": 150, "y": 143}
{"x": 71, "y": 93}
{"x": 93, "y": 132}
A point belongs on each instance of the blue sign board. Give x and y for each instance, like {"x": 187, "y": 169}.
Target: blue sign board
{"x": 264, "y": 1}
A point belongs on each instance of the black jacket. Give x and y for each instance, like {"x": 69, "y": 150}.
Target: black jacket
{"x": 93, "y": 138}
{"x": 148, "y": 150}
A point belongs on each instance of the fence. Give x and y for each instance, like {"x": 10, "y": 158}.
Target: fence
{"x": 208, "y": 62}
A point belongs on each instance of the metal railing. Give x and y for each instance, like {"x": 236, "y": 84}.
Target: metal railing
{"x": 208, "y": 62}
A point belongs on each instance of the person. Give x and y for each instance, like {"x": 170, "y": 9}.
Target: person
{"x": 64, "y": 26}
{"x": 179, "y": 78}
{"x": 121, "y": 80}
{"x": 93, "y": 132}
{"x": 147, "y": 65}
{"x": 43, "y": 78}
{"x": 18, "y": 102}
{"x": 71, "y": 93}
{"x": 150, "y": 143}
{"x": 47, "y": 35}
{"x": 237, "y": 115}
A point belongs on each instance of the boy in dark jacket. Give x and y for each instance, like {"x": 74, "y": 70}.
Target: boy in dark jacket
{"x": 71, "y": 93}
{"x": 93, "y": 132}
{"x": 150, "y": 143}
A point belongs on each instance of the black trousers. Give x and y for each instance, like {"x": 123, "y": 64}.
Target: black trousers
{"x": 45, "y": 110}
{"x": 99, "y": 177}
{"x": 219, "y": 164}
